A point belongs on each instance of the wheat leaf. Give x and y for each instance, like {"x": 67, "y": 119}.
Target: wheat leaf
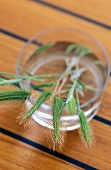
{"x": 5, "y": 82}
{"x": 80, "y": 50}
{"x": 43, "y": 48}
{"x": 84, "y": 52}
{"x": 70, "y": 48}
{"x": 62, "y": 107}
{"x": 72, "y": 106}
{"x": 22, "y": 78}
{"x": 12, "y": 75}
{"x": 1, "y": 79}
{"x": 70, "y": 94}
{"x": 81, "y": 84}
{"x": 99, "y": 62}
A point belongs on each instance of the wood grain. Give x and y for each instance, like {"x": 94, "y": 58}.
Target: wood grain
{"x": 18, "y": 155}
{"x": 96, "y": 156}
{"x": 26, "y": 18}
{"x": 29, "y": 25}
{"x": 97, "y": 10}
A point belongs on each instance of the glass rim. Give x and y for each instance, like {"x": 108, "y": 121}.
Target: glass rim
{"x": 101, "y": 47}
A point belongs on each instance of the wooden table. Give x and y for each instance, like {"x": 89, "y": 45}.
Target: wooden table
{"x": 27, "y": 149}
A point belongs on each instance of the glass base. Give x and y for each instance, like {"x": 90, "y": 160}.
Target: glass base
{"x": 44, "y": 117}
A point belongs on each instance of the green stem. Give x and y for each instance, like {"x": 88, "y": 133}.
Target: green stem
{"x": 30, "y": 77}
{"x": 48, "y": 76}
{"x": 61, "y": 86}
{"x": 65, "y": 91}
{"x": 57, "y": 84}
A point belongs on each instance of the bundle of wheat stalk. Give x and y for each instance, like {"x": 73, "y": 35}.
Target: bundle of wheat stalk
{"x": 11, "y": 95}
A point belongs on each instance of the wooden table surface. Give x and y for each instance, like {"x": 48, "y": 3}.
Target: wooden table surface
{"x": 27, "y": 149}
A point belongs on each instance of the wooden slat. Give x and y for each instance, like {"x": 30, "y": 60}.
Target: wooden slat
{"x": 96, "y": 156}
{"x": 97, "y": 10}
{"x": 17, "y": 155}
{"x": 14, "y": 19}
{"x": 6, "y": 164}
{"x": 10, "y": 48}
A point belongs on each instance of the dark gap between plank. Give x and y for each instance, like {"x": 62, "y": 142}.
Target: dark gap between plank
{"x": 47, "y": 150}
{"x": 19, "y": 37}
{"x": 73, "y": 14}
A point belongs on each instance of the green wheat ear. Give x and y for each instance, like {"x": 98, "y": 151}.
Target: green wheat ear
{"x": 56, "y": 137}
{"x": 43, "y": 97}
{"x": 13, "y": 98}
{"x": 43, "y": 48}
{"x": 57, "y": 103}
{"x": 11, "y": 92}
{"x": 14, "y": 95}
{"x": 85, "y": 131}
{"x": 72, "y": 106}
